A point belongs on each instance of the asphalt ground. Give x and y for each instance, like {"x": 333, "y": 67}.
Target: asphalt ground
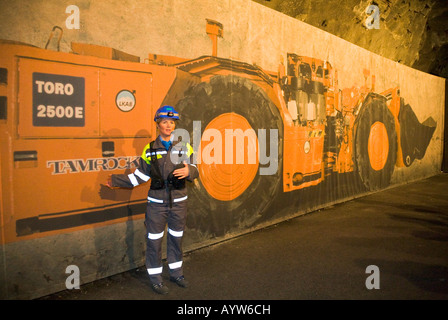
{"x": 389, "y": 245}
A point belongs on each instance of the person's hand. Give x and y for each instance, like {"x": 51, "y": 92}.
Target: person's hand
{"x": 109, "y": 182}
{"x": 182, "y": 172}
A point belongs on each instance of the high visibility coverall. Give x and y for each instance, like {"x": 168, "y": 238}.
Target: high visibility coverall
{"x": 162, "y": 208}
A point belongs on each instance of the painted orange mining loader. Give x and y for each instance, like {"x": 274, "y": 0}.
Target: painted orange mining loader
{"x": 68, "y": 120}
{"x": 345, "y": 130}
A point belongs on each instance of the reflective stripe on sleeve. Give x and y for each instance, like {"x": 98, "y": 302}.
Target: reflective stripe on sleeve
{"x": 141, "y": 175}
{"x": 176, "y": 234}
{"x": 176, "y": 152}
{"x": 156, "y": 153}
{"x": 133, "y": 179}
{"x": 155, "y": 236}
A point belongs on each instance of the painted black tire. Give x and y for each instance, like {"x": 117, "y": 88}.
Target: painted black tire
{"x": 374, "y": 110}
{"x": 204, "y": 102}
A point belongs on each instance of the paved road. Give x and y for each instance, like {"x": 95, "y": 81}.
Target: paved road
{"x": 402, "y": 231}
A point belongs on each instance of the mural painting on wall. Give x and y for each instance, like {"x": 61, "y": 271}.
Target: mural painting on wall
{"x": 268, "y": 145}
{"x": 257, "y": 134}
{"x": 321, "y": 130}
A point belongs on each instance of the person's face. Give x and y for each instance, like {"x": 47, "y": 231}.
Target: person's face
{"x": 166, "y": 127}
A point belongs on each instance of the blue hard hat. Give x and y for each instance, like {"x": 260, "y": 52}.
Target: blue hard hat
{"x": 166, "y": 112}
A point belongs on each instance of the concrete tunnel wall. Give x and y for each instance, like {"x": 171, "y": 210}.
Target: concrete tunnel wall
{"x": 252, "y": 34}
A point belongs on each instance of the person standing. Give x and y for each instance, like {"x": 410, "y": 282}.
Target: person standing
{"x": 167, "y": 197}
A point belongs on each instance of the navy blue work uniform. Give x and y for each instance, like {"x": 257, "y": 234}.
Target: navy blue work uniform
{"x": 166, "y": 205}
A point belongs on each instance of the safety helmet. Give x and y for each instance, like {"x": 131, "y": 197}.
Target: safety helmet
{"x": 166, "y": 112}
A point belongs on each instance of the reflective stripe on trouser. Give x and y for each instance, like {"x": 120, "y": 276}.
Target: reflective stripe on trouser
{"x": 157, "y": 217}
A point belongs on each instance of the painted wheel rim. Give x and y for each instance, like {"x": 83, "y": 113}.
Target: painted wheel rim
{"x": 223, "y": 176}
{"x": 378, "y": 146}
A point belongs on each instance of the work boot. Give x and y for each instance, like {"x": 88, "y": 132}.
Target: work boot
{"x": 180, "y": 281}
{"x": 159, "y": 288}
